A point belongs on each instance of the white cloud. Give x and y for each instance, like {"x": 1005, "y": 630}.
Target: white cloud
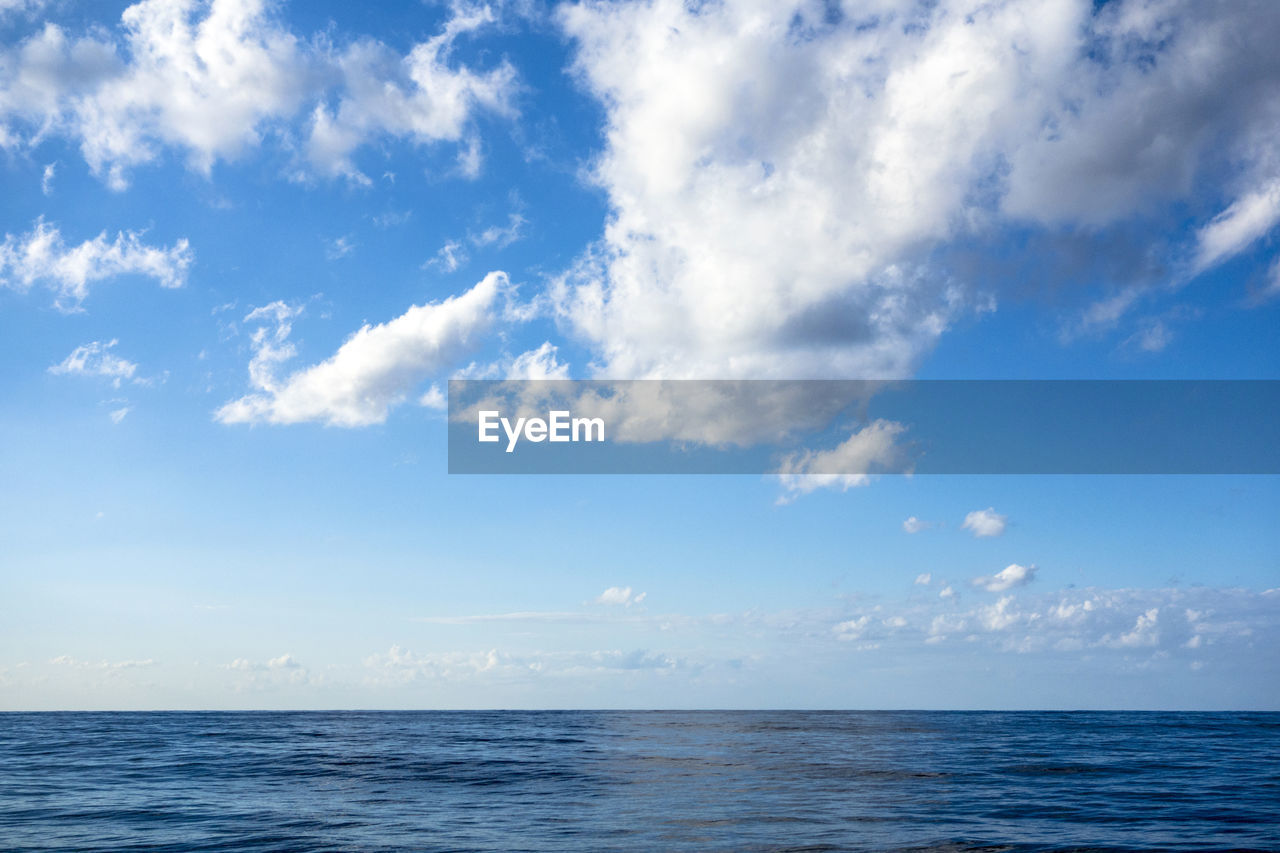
{"x": 68, "y": 660}
{"x": 1154, "y": 336}
{"x": 1082, "y": 625}
{"x": 418, "y": 97}
{"x": 549, "y": 616}
{"x": 452, "y": 256}
{"x": 924, "y": 579}
{"x": 1007, "y": 578}
{"x": 284, "y": 670}
{"x": 620, "y": 595}
{"x": 870, "y": 449}
{"x": 1101, "y": 316}
{"x": 449, "y": 258}
{"x": 915, "y": 525}
{"x": 42, "y": 257}
{"x": 339, "y": 248}
{"x": 1270, "y": 288}
{"x": 400, "y": 666}
{"x": 766, "y": 186}
{"x": 541, "y": 363}
{"x": 1248, "y": 219}
{"x": 1167, "y": 85}
{"x": 46, "y": 179}
{"x": 501, "y": 236}
{"x": 117, "y": 415}
{"x": 373, "y": 371}
{"x": 204, "y": 84}
{"x": 434, "y": 398}
{"x": 1001, "y": 615}
{"x": 96, "y": 359}
{"x": 1067, "y": 611}
{"x": 985, "y": 522}
{"x": 780, "y": 172}
{"x": 28, "y": 8}
{"x": 851, "y": 629}
{"x": 392, "y": 218}
{"x": 270, "y": 340}
{"x": 942, "y": 625}
{"x": 213, "y": 79}
{"x": 1145, "y": 632}
{"x": 470, "y": 159}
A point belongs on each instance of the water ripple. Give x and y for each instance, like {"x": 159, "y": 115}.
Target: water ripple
{"x": 541, "y": 781}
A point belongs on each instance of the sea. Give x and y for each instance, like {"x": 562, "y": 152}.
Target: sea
{"x": 639, "y": 781}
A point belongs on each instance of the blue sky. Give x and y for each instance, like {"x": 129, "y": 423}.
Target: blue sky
{"x": 243, "y": 241}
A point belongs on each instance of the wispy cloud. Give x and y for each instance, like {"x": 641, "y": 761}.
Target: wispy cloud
{"x": 392, "y": 218}
{"x": 42, "y": 257}
{"x": 1114, "y": 627}
{"x": 501, "y": 236}
{"x": 453, "y": 255}
{"x": 546, "y": 616}
{"x": 339, "y": 248}
{"x": 450, "y": 258}
{"x": 1248, "y": 219}
{"x": 96, "y": 359}
{"x": 110, "y": 666}
{"x": 402, "y": 666}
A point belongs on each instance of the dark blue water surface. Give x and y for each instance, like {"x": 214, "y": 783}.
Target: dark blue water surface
{"x": 651, "y": 781}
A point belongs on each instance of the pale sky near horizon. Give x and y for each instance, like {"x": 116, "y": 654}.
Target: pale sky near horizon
{"x": 247, "y": 243}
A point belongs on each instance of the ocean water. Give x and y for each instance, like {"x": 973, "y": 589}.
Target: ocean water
{"x": 642, "y": 781}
